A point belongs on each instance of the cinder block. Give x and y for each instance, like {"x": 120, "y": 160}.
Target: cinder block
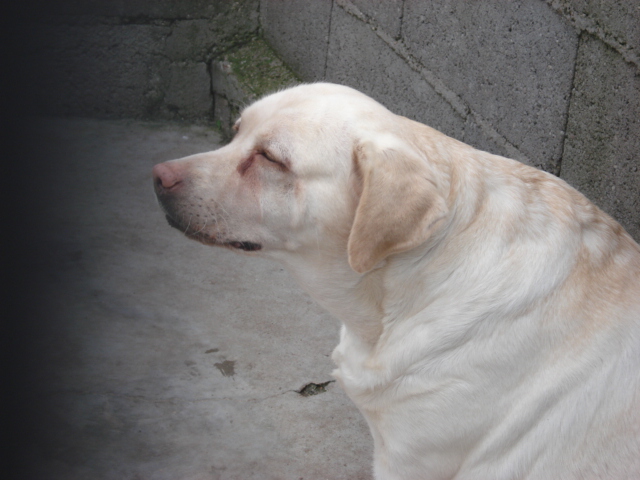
{"x": 299, "y": 31}
{"x": 478, "y": 138}
{"x": 244, "y": 75}
{"x": 190, "y": 40}
{"x": 198, "y": 30}
{"x": 184, "y": 9}
{"x": 617, "y": 19}
{"x": 101, "y": 70}
{"x": 601, "y": 156}
{"x": 148, "y": 9}
{"x": 137, "y": 58}
{"x": 359, "y": 58}
{"x": 511, "y": 62}
{"x": 225, "y": 82}
{"x": 205, "y": 39}
{"x": 119, "y": 71}
{"x": 230, "y": 96}
{"x": 233, "y": 26}
{"x": 223, "y": 115}
{"x": 187, "y": 88}
{"x": 386, "y": 13}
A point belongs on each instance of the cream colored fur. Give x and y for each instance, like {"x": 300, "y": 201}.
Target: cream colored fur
{"x": 491, "y": 313}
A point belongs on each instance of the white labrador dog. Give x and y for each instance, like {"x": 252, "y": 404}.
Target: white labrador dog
{"x": 491, "y": 312}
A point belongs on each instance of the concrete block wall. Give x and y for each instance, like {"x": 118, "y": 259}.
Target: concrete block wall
{"x": 134, "y": 58}
{"x": 555, "y": 83}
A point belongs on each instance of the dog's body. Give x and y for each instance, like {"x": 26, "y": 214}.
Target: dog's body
{"x": 491, "y": 314}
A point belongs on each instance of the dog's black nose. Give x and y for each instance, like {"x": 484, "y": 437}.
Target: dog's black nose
{"x": 165, "y": 177}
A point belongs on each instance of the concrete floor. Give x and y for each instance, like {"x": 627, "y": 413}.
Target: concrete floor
{"x": 163, "y": 358}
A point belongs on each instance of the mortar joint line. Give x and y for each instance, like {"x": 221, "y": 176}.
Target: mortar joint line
{"x": 401, "y": 29}
{"x": 583, "y": 23}
{"x": 565, "y": 127}
{"x": 326, "y": 55}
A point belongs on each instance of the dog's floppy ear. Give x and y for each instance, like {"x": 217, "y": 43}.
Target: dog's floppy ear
{"x": 399, "y": 207}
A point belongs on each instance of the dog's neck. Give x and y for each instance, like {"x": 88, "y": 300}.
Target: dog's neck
{"x": 354, "y": 299}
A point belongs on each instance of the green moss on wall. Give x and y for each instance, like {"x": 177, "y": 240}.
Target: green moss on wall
{"x": 258, "y": 68}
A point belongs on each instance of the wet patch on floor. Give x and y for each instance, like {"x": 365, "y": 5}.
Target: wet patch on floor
{"x": 227, "y": 368}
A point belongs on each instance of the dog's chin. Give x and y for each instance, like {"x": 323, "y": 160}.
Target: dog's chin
{"x": 205, "y": 239}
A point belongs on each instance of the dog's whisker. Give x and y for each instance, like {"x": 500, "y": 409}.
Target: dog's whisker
{"x": 186, "y": 230}
{"x": 204, "y": 225}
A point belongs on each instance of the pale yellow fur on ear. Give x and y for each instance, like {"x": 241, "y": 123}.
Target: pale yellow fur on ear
{"x": 399, "y": 208}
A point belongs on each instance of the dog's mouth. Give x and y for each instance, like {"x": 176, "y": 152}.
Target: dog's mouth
{"x": 202, "y": 237}
{"x": 246, "y": 246}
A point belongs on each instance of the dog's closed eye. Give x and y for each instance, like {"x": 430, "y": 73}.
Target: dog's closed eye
{"x": 268, "y": 157}
{"x": 257, "y": 156}
{"x": 271, "y": 158}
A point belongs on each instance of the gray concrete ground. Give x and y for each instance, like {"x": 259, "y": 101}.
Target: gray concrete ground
{"x": 163, "y": 358}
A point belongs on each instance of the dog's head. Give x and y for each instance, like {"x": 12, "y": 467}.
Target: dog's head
{"x": 310, "y": 168}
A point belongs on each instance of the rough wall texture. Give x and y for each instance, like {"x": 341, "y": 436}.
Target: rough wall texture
{"x": 555, "y": 83}
{"x": 140, "y": 58}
